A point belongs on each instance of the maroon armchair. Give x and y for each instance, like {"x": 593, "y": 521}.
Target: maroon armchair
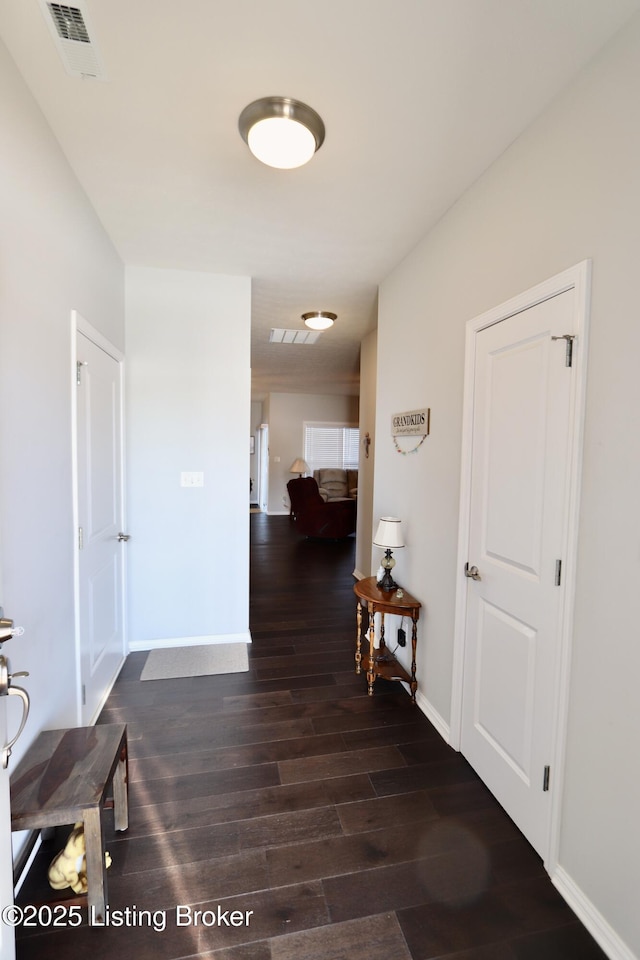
{"x": 315, "y": 518}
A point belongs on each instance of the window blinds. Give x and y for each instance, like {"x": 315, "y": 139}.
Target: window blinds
{"x": 331, "y": 445}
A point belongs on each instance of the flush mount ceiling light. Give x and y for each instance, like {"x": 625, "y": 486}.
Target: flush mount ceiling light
{"x": 281, "y": 132}
{"x": 319, "y": 319}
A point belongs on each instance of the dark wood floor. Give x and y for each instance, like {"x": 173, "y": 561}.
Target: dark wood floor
{"x": 342, "y": 821}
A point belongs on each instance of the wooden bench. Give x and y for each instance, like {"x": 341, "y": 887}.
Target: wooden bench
{"x": 63, "y": 779}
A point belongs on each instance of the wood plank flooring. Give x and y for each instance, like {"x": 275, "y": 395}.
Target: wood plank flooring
{"x": 337, "y": 826}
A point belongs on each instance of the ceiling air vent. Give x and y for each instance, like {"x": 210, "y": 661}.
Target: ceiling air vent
{"x": 72, "y": 35}
{"x": 69, "y": 22}
{"x": 293, "y": 336}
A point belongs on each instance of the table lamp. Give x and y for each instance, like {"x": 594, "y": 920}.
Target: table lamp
{"x": 388, "y": 535}
{"x": 299, "y": 466}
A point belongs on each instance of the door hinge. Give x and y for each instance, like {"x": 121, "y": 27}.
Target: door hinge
{"x": 545, "y": 779}
{"x": 568, "y": 338}
{"x": 84, "y": 695}
{"x": 80, "y": 538}
{"x": 558, "y": 578}
{"x": 79, "y": 365}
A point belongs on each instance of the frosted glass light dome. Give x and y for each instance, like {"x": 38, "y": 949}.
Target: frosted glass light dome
{"x": 281, "y": 143}
{"x": 319, "y": 319}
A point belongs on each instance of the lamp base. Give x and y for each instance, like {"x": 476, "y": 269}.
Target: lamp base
{"x": 387, "y": 584}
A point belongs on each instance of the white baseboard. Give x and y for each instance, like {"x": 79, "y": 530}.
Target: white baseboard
{"x": 601, "y": 931}
{"x": 278, "y": 513}
{"x": 189, "y": 641}
{"x": 433, "y": 716}
{"x": 358, "y": 575}
{"x": 103, "y": 699}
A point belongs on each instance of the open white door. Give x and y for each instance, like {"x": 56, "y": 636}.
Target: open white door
{"x": 100, "y": 538}
{"x": 263, "y": 444}
{"x": 7, "y": 935}
{"x": 517, "y": 551}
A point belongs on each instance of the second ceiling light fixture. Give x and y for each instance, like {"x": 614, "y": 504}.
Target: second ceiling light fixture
{"x": 319, "y": 319}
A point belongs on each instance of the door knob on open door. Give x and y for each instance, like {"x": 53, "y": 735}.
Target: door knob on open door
{"x": 6, "y": 626}
{"x": 7, "y": 690}
{"x": 123, "y": 537}
{"x": 471, "y": 572}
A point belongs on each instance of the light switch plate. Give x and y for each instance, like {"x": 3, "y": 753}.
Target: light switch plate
{"x": 191, "y": 479}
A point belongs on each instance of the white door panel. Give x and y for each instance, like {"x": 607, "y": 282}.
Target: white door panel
{"x": 513, "y": 469}
{"x": 100, "y": 517}
{"x": 7, "y": 935}
{"x": 503, "y": 711}
{"x": 519, "y": 477}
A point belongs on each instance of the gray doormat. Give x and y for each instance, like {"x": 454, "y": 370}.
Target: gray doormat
{"x": 173, "y": 662}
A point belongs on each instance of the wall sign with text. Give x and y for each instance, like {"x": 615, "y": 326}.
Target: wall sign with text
{"x": 412, "y": 423}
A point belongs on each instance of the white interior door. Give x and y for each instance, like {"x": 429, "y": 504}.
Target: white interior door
{"x": 100, "y": 568}
{"x": 254, "y": 469}
{"x": 521, "y": 441}
{"x": 7, "y": 935}
{"x": 263, "y": 444}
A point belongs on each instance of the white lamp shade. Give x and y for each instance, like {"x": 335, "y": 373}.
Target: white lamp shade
{"x": 389, "y": 533}
{"x": 319, "y": 319}
{"x": 281, "y": 142}
{"x": 299, "y": 466}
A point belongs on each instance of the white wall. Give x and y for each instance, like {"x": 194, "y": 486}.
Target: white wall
{"x": 54, "y": 257}
{"x": 364, "y": 531}
{"x": 188, "y": 397}
{"x": 285, "y": 414}
{"x": 567, "y": 190}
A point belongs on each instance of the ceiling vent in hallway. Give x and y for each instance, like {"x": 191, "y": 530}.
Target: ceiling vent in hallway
{"x": 293, "y": 336}
{"x": 71, "y": 31}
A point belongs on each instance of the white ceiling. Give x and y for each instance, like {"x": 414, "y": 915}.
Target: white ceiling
{"x": 418, "y": 98}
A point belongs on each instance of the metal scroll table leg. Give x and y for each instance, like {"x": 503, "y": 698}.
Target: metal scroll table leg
{"x": 359, "y": 637}
{"x": 370, "y": 672}
{"x": 414, "y": 637}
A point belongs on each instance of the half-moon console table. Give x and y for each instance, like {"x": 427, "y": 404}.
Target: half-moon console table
{"x": 379, "y": 661}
